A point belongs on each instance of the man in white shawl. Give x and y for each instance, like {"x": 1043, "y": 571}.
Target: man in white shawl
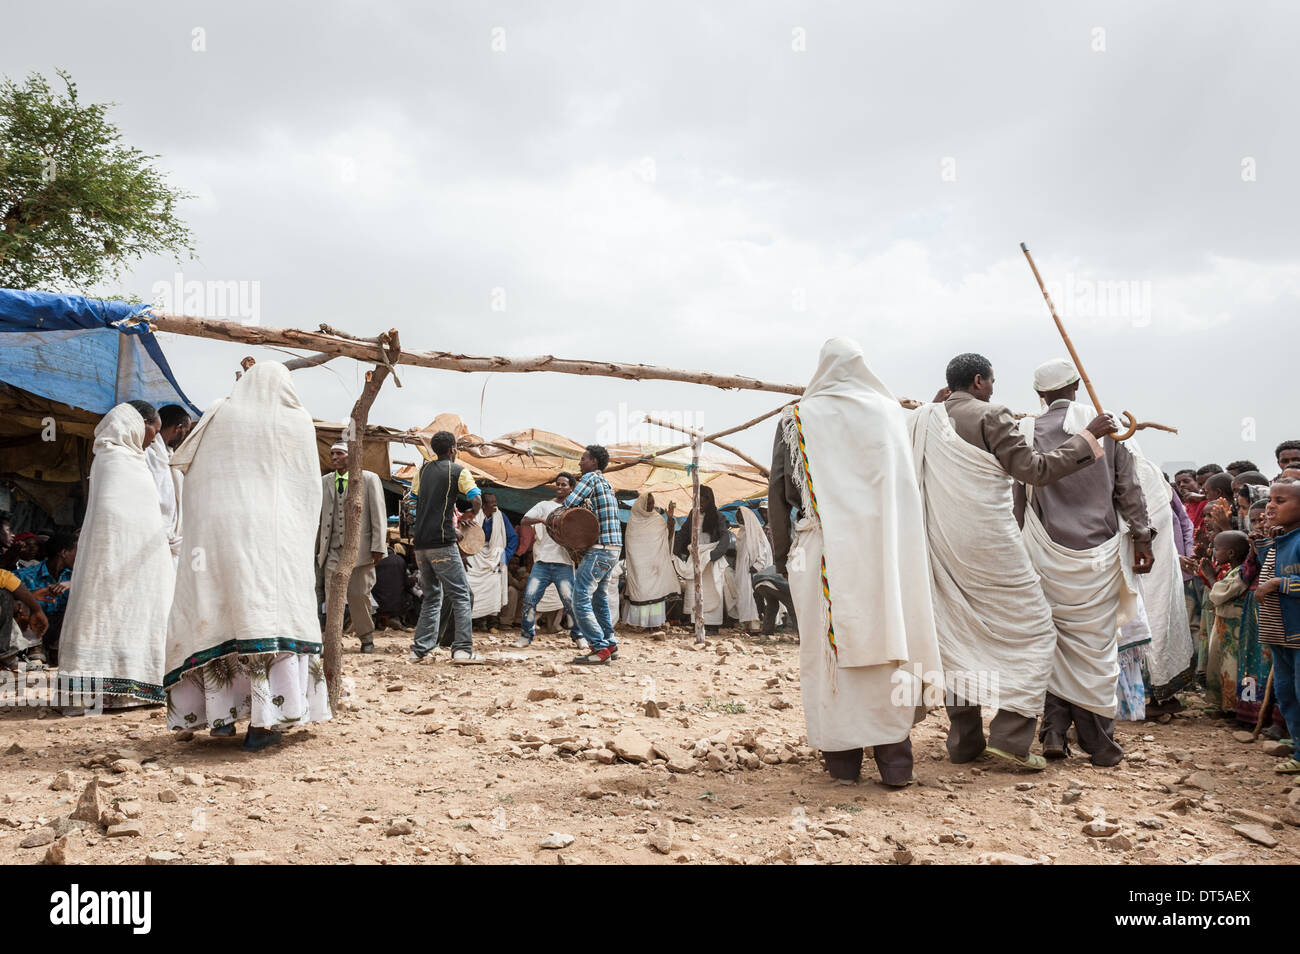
{"x": 995, "y": 627}
{"x": 711, "y": 551}
{"x": 1086, "y": 563}
{"x": 753, "y": 555}
{"x": 115, "y": 626}
{"x": 489, "y": 581}
{"x": 648, "y": 563}
{"x": 244, "y": 640}
{"x": 858, "y": 570}
{"x": 174, "y": 425}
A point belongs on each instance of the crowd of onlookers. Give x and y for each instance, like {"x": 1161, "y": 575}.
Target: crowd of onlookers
{"x": 1240, "y": 555}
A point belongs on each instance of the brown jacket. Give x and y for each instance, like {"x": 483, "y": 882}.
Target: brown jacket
{"x": 993, "y": 428}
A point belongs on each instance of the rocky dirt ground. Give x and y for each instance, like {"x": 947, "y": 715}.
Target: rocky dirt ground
{"x": 672, "y": 755}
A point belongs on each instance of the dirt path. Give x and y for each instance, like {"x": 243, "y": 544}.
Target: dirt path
{"x": 432, "y": 763}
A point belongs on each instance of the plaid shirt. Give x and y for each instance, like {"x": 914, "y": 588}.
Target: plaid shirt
{"x": 594, "y": 485}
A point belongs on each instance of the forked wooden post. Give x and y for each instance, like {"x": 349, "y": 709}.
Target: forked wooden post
{"x": 698, "y": 576}
{"x": 336, "y": 586}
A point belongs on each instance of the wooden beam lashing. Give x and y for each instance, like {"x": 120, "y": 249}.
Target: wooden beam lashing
{"x": 336, "y": 587}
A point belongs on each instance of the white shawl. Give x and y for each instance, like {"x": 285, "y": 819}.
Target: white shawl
{"x": 159, "y": 457}
{"x": 121, "y": 587}
{"x": 647, "y": 554}
{"x": 1092, "y": 593}
{"x": 713, "y": 584}
{"x": 996, "y": 634}
{"x": 753, "y": 554}
{"x": 488, "y": 580}
{"x": 859, "y": 475}
{"x": 247, "y": 576}
{"x": 1171, "y": 650}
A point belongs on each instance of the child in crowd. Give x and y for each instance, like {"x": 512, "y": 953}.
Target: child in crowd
{"x": 1254, "y": 660}
{"x": 1225, "y": 597}
{"x": 1216, "y": 518}
{"x": 1278, "y": 595}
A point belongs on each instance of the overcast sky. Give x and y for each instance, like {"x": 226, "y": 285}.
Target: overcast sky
{"x": 724, "y": 186}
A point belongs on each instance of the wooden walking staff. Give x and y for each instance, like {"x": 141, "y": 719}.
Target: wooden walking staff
{"x": 1131, "y": 422}
{"x": 698, "y": 602}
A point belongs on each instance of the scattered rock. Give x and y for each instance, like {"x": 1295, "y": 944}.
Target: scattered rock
{"x": 537, "y": 695}
{"x": 399, "y": 828}
{"x": 1243, "y": 736}
{"x": 1276, "y": 748}
{"x": 632, "y": 747}
{"x": 1100, "y": 828}
{"x": 661, "y": 840}
{"x": 124, "y": 830}
{"x": 1201, "y": 780}
{"x": 1003, "y": 858}
{"x": 1256, "y": 833}
{"x": 652, "y": 709}
{"x": 1070, "y": 797}
{"x": 167, "y": 795}
{"x": 64, "y": 851}
{"x": 122, "y": 766}
{"x": 1120, "y": 842}
{"x": 1254, "y": 818}
{"x": 91, "y": 804}
{"x": 193, "y": 778}
{"x": 1151, "y": 823}
{"x": 556, "y": 840}
{"x": 903, "y": 857}
{"x": 164, "y": 858}
{"x": 37, "y": 839}
{"x": 63, "y": 782}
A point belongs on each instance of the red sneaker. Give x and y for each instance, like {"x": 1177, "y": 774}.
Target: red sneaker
{"x": 599, "y": 657}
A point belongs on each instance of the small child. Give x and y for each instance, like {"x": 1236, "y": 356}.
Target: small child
{"x": 1278, "y": 594}
{"x": 1216, "y": 518}
{"x": 1253, "y": 660}
{"x": 1230, "y": 549}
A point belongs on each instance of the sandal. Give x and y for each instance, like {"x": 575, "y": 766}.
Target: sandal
{"x": 1033, "y": 762}
{"x": 1289, "y": 767}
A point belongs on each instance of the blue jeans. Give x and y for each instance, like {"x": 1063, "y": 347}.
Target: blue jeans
{"x": 542, "y": 576}
{"x": 1284, "y": 686}
{"x": 442, "y": 567}
{"x": 590, "y": 607}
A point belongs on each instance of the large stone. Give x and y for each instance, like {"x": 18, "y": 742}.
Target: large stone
{"x": 125, "y": 830}
{"x": 399, "y": 828}
{"x": 1276, "y": 749}
{"x": 1201, "y": 780}
{"x": 661, "y": 840}
{"x": 1243, "y": 736}
{"x": 1003, "y": 858}
{"x": 122, "y": 766}
{"x": 556, "y": 840}
{"x": 91, "y": 804}
{"x": 164, "y": 858}
{"x": 1100, "y": 828}
{"x": 37, "y": 839}
{"x": 63, "y": 782}
{"x": 249, "y": 858}
{"x": 537, "y": 695}
{"x": 167, "y": 795}
{"x": 632, "y": 747}
{"x": 1254, "y": 818}
{"x": 64, "y": 851}
{"x": 1256, "y": 833}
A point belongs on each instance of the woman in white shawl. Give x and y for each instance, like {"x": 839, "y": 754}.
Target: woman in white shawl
{"x": 244, "y": 640}
{"x": 121, "y": 587}
{"x": 858, "y": 567}
{"x": 648, "y": 564}
{"x": 753, "y": 555}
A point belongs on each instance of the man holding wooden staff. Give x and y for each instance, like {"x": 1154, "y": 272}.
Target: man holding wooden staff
{"x": 1074, "y": 538}
{"x": 995, "y": 628}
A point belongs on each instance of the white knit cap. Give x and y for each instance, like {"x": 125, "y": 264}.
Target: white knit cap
{"x": 1054, "y": 375}
{"x": 339, "y": 446}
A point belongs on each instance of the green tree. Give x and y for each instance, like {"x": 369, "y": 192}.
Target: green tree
{"x": 76, "y": 205}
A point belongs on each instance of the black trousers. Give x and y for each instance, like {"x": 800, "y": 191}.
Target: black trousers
{"x": 894, "y": 761}
{"x": 1096, "y": 734}
{"x": 1009, "y": 731}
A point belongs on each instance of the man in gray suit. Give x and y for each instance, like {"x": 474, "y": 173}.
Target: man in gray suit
{"x": 372, "y": 548}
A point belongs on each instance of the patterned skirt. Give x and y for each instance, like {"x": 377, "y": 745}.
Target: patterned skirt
{"x": 265, "y": 690}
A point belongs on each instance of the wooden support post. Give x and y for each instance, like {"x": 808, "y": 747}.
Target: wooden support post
{"x": 696, "y": 521}
{"x": 336, "y": 586}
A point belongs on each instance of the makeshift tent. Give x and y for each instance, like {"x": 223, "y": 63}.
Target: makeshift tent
{"x": 65, "y": 361}
{"x": 529, "y": 459}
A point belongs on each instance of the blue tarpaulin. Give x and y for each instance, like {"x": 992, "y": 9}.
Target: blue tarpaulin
{"x": 80, "y": 351}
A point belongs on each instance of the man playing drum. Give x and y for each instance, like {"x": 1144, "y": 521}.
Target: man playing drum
{"x": 590, "y": 603}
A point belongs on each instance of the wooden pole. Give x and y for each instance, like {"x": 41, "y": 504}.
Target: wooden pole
{"x": 710, "y": 437}
{"x": 712, "y": 440}
{"x": 696, "y": 522}
{"x": 336, "y": 586}
{"x": 1065, "y": 336}
{"x": 365, "y": 350}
